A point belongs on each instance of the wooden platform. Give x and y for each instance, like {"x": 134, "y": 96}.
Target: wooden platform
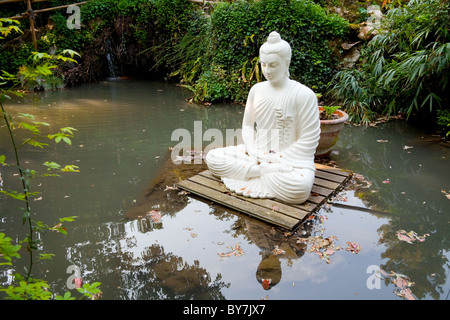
{"x": 328, "y": 181}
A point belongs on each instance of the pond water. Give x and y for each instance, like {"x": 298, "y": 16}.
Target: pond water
{"x": 122, "y": 147}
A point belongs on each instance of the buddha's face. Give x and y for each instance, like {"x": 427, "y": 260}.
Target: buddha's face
{"x": 274, "y": 68}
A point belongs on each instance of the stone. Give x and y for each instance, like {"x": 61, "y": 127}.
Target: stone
{"x": 280, "y": 131}
{"x": 370, "y": 27}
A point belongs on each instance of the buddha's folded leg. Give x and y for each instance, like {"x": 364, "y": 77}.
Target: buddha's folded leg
{"x": 229, "y": 162}
{"x": 293, "y": 187}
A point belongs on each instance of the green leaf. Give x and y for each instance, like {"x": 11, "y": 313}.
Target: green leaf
{"x": 14, "y": 195}
{"x": 40, "y": 55}
{"x": 7, "y": 250}
{"x": 71, "y": 53}
{"x": 67, "y": 140}
{"x": 46, "y": 256}
{"x": 51, "y": 165}
{"x": 68, "y": 219}
{"x": 90, "y": 290}
{"x": 42, "y": 123}
{"x": 29, "y": 127}
{"x": 35, "y": 143}
{"x": 70, "y": 168}
{"x": 67, "y": 296}
{"x": 26, "y": 115}
{"x": 68, "y": 130}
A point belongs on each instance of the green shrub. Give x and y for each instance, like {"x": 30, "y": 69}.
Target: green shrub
{"x": 214, "y": 53}
{"x": 239, "y": 29}
{"x": 406, "y": 66}
{"x": 443, "y": 120}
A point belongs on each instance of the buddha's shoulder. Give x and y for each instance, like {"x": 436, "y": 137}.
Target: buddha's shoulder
{"x": 305, "y": 90}
{"x": 260, "y": 86}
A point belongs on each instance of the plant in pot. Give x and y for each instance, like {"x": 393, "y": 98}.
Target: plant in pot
{"x": 332, "y": 120}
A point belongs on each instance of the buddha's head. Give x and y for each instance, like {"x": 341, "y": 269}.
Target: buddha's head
{"x": 275, "y": 57}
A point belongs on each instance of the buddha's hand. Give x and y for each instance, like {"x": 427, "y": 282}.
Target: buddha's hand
{"x": 271, "y": 157}
{"x": 255, "y": 153}
{"x": 266, "y": 168}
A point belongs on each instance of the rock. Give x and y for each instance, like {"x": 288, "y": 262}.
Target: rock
{"x": 370, "y": 28}
{"x": 348, "y": 46}
{"x": 350, "y": 57}
{"x": 367, "y": 32}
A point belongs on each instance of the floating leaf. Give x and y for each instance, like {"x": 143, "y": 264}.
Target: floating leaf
{"x": 323, "y": 247}
{"x": 236, "y": 251}
{"x": 411, "y": 236}
{"x": 278, "y": 251}
{"x": 353, "y": 247}
{"x": 447, "y": 194}
{"x": 402, "y": 283}
{"x": 155, "y": 215}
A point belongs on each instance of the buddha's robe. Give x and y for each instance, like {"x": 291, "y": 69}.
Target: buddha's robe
{"x": 287, "y": 122}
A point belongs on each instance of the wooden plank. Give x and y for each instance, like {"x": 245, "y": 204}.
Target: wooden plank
{"x": 239, "y": 205}
{"x": 327, "y": 182}
{"x": 330, "y": 176}
{"x": 322, "y": 191}
{"x": 266, "y": 203}
{"x": 332, "y": 170}
{"x": 312, "y": 201}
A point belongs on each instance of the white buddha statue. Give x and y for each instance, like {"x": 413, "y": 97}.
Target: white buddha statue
{"x": 280, "y": 131}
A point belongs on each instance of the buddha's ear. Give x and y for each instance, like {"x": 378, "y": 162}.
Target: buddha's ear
{"x": 288, "y": 63}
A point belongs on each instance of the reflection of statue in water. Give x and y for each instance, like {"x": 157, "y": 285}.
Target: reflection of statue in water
{"x": 267, "y": 239}
{"x": 277, "y": 159}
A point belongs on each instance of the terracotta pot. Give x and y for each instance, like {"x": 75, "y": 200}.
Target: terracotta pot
{"x": 330, "y": 130}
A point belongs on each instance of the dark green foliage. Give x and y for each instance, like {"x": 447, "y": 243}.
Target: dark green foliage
{"x": 213, "y": 52}
{"x": 406, "y": 67}
{"x": 443, "y": 120}
{"x": 239, "y": 29}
